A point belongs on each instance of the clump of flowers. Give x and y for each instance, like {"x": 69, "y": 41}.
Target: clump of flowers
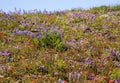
{"x": 5, "y": 52}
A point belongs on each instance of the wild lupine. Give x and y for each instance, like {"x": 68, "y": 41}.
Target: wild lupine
{"x": 88, "y": 61}
{"x": 85, "y": 15}
{"x": 26, "y": 31}
{"x": 71, "y": 43}
{"x": 32, "y": 35}
{"x": 105, "y": 26}
{"x": 29, "y": 33}
{"x": 20, "y": 33}
{"x": 116, "y": 55}
{"x": 1, "y": 53}
{"x": 6, "y": 52}
{"x": 41, "y": 67}
{"x": 113, "y": 52}
{"x": 113, "y": 13}
{"x": 60, "y": 80}
{"x": 78, "y": 76}
{"x": 79, "y": 15}
{"x": 17, "y": 47}
{"x": 90, "y": 77}
{"x": 117, "y": 80}
{"x": 1, "y": 18}
{"x": 39, "y": 35}
{"x": 15, "y": 30}
{"x": 52, "y": 29}
{"x": 34, "y": 76}
{"x": 70, "y": 76}
{"x": 58, "y": 32}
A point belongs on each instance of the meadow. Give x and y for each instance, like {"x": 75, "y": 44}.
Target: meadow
{"x": 70, "y": 46}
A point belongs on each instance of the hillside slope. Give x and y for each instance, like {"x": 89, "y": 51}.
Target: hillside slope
{"x": 74, "y": 46}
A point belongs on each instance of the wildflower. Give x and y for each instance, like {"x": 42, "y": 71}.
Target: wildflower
{"x": 91, "y": 77}
{"x": 41, "y": 67}
{"x": 34, "y": 76}
{"x": 60, "y": 80}
{"x": 38, "y": 35}
{"x": 118, "y": 65}
{"x": 6, "y": 52}
{"x": 25, "y": 31}
{"x": 70, "y": 76}
{"x": 78, "y": 76}
{"x": 117, "y": 80}
{"x": 1, "y": 53}
{"x": 20, "y": 32}
{"x": 113, "y": 52}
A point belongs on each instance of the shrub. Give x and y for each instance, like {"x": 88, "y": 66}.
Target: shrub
{"x": 53, "y": 40}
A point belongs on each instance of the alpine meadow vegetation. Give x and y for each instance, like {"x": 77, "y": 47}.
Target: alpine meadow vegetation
{"x": 70, "y": 46}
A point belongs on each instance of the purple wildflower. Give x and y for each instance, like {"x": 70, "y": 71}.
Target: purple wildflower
{"x": 60, "y": 80}
{"x": 41, "y": 67}
{"x": 38, "y": 35}
{"x": 6, "y": 52}
{"x": 91, "y": 77}
{"x": 1, "y": 53}
{"x": 16, "y": 30}
{"x": 78, "y": 76}
{"x": 20, "y": 32}
{"x": 70, "y": 76}
{"x": 117, "y": 80}
{"x": 113, "y": 52}
{"x": 25, "y": 31}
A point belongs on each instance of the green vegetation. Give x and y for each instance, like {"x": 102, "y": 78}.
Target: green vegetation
{"x": 74, "y": 46}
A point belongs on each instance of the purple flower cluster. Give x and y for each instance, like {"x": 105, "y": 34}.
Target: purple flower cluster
{"x": 91, "y": 77}
{"x": 27, "y": 32}
{"x": 113, "y": 13}
{"x": 117, "y": 80}
{"x": 113, "y": 52}
{"x": 60, "y": 81}
{"x": 56, "y": 30}
{"x": 88, "y": 61}
{"x": 1, "y": 18}
{"x": 75, "y": 75}
{"x": 71, "y": 43}
{"x": 20, "y": 32}
{"x": 6, "y": 52}
{"x": 84, "y": 15}
{"x": 116, "y": 54}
